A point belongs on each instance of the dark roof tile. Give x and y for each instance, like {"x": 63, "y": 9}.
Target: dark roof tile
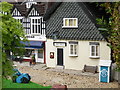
{"x": 86, "y": 30}
{"x": 21, "y": 8}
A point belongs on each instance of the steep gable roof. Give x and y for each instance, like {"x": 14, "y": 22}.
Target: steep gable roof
{"x": 21, "y": 8}
{"x": 86, "y": 30}
{"x": 40, "y": 8}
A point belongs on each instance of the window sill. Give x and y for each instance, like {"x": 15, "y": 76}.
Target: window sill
{"x": 69, "y": 26}
{"x": 94, "y": 57}
{"x": 73, "y": 55}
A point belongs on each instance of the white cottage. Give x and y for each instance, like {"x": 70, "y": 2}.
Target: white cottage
{"x": 73, "y": 38}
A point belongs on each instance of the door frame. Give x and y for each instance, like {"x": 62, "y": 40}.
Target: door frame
{"x": 36, "y": 52}
{"x": 57, "y": 56}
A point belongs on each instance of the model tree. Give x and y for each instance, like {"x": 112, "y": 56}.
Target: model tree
{"x": 11, "y": 32}
{"x": 112, "y": 26}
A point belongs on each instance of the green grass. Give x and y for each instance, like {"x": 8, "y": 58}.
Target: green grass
{"x": 9, "y": 84}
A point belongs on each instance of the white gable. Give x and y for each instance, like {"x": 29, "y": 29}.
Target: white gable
{"x": 16, "y": 12}
{"x": 33, "y": 12}
{"x": 29, "y": 3}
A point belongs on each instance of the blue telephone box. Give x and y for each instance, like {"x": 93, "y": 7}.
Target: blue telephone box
{"x": 104, "y": 70}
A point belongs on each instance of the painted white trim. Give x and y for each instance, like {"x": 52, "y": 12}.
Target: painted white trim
{"x": 18, "y": 17}
{"x": 97, "y": 57}
{"x": 108, "y": 74}
{"x": 73, "y": 50}
{"x": 95, "y": 51}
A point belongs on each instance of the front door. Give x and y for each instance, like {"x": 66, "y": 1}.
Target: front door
{"x": 40, "y": 57}
{"x": 60, "y": 57}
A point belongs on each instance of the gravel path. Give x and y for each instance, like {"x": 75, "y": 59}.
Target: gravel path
{"x": 48, "y": 78}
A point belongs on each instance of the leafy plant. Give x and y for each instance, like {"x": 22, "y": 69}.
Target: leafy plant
{"x": 12, "y": 32}
{"x": 112, "y": 28}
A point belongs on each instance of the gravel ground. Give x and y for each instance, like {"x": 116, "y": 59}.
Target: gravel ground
{"x": 49, "y": 77}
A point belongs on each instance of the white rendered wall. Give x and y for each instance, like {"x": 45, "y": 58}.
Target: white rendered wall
{"x": 83, "y": 58}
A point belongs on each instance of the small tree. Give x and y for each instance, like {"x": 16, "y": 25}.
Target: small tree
{"x": 113, "y": 28}
{"x": 12, "y": 32}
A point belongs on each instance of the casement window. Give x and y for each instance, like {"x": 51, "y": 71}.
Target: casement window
{"x": 19, "y": 19}
{"x": 70, "y": 22}
{"x": 94, "y": 50}
{"x": 36, "y": 25}
{"x": 73, "y": 48}
{"x": 26, "y": 25}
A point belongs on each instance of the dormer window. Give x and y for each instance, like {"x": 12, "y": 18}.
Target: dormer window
{"x": 70, "y": 22}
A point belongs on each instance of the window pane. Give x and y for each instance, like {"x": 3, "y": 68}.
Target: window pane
{"x": 75, "y": 49}
{"x": 33, "y": 28}
{"x": 75, "y": 22}
{"x": 32, "y": 20}
{"x": 66, "y": 22}
{"x": 70, "y": 22}
{"x": 93, "y": 50}
{"x": 36, "y": 28}
{"x": 35, "y": 20}
{"x": 38, "y": 20}
{"x": 96, "y": 50}
{"x": 71, "y": 49}
{"x": 40, "y": 53}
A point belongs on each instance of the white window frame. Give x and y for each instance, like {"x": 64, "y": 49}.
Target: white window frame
{"x": 70, "y": 26}
{"x": 73, "y": 49}
{"x": 18, "y": 18}
{"x": 98, "y": 51}
{"x": 36, "y": 24}
{"x": 26, "y": 24}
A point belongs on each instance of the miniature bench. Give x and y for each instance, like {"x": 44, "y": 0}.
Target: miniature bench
{"x": 92, "y": 69}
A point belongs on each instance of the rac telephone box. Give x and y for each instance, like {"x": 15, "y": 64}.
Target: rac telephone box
{"x": 104, "y": 70}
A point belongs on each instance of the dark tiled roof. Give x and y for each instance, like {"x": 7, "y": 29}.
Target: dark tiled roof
{"x": 21, "y": 8}
{"x": 86, "y": 30}
{"x": 24, "y": 12}
{"x": 38, "y": 7}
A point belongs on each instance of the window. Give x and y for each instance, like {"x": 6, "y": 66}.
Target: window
{"x": 70, "y": 22}
{"x": 40, "y": 53}
{"x": 26, "y": 25}
{"x": 94, "y": 50}
{"x": 36, "y": 26}
{"x": 73, "y": 48}
{"x": 28, "y": 52}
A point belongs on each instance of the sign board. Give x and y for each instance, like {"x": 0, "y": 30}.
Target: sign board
{"x": 59, "y": 44}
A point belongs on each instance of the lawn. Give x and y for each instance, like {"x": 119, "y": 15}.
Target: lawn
{"x": 9, "y": 84}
